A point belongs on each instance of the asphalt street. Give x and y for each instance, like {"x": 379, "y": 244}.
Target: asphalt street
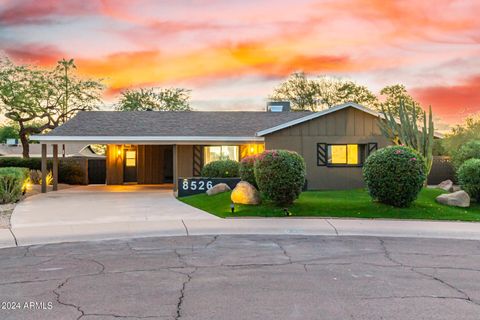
{"x": 243, "y": 277}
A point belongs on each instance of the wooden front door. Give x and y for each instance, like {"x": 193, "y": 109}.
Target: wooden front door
{"x": 130, "y": 165}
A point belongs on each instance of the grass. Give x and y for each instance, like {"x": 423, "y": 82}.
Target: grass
{"x": 342, "y": 204}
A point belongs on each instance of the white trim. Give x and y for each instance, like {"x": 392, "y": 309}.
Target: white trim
{"x": 144, "y": 139}
{"x": 316, "y": 115}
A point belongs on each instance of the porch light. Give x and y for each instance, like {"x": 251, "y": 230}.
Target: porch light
{"x": 119, "y": 153}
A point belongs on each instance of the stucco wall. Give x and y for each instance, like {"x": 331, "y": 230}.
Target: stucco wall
{"x": 342, "y": 127}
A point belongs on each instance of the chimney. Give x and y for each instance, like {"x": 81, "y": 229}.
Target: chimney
{"x": 278, "y": 106}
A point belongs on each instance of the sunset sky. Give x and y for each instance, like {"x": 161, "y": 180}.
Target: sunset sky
{"x": 232, "y": 53}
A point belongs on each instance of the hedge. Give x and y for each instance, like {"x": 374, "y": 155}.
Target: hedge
{"x": 469, "y": 178}
{"x": 69, "y": 172}
{"x": 12, "y": 184}
{"x": 247, "y": 172}
{"x": 220, "y": 169}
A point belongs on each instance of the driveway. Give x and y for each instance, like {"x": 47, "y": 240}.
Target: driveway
{"x": 244, "y": 277}
{"x": 96, "y": 204}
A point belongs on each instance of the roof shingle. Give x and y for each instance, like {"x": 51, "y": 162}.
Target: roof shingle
{"x": 165, "y": 123}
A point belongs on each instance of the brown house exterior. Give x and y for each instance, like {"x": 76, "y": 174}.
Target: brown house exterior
{"x": 160, "y": 147}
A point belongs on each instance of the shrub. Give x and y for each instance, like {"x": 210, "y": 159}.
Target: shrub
{"x": 246, "y": 171}
{"x": 12, "y": 184}
{"x": 394, "y": 175}
{"x": 469, "y": 178}
{"x": 221, "y": 169}
{"x": 30, "y": 163}
{"x": 280, "y": 175}
{"x": 470, "y": 150}
{"x": 70, "y": 173}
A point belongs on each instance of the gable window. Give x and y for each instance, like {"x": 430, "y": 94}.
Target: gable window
{"x": 343, "y": 154}
{"x": 214, "y": 153}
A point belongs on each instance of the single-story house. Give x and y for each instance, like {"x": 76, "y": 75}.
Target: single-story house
{"x": 150, "y": 147}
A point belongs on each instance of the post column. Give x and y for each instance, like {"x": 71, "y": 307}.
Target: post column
{"x": 175, "y": 167}
{"x": 55, "y": 167}
{"x": 44, "y": 168}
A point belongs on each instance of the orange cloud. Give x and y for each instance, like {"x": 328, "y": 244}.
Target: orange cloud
{"x": 452, "y": 103}
{"x": 36, "y": 53}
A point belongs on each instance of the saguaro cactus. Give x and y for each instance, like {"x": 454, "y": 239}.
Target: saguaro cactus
{"x": 405, "y": 131}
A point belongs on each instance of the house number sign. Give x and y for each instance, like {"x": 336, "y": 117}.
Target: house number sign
{"x": 191, "y": 186}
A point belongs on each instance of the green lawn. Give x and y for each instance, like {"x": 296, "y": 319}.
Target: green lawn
{"x": 345, "y": 203}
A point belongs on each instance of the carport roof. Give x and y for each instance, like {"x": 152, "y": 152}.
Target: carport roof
{"x": 146, "y": 126}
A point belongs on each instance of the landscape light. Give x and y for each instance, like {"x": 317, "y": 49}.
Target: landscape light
{"x": 232, "y": 207}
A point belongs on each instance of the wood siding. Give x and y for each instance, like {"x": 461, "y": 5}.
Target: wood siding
{"x": 150, "y": 166}
{"x": 114, "y": 164}
{"x": 346, "y": 126}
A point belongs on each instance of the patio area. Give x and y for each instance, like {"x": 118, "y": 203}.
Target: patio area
{"x": 96, "y": 204}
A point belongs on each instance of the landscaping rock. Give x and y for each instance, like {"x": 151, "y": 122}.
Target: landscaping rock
{"x": 245, "y": 193}
{"x": 218, "y": 188}
{"x": 456, "y": 188}
{"x": 455, "y": 199}
{"x": 446, "y": 185}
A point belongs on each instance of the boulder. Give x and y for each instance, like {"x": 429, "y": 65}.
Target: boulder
{"x": 446, "y": 185}
{"x": 456, "y": 188}
{"x": 245, "y": 193}
{"x": 218, "y": 188}
{"x": 456, "y": 199}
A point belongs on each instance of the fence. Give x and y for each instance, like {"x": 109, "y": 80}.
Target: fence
{"x": 442, "y": 169}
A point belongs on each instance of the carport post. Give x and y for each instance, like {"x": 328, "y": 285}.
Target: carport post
{"x": 44, "y": 168}
{"x": 55, "y": 167}
{"x": 175, "y": 167}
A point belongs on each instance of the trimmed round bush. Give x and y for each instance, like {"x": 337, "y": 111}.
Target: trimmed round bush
{"x": 469, "y": 178}
{"x": 394, "y": 175}
{"x": 246, "y": 171}
{"x": 280, "y": 175}
{"x": 221, "y": 169}
{"x": 470, "y": 150}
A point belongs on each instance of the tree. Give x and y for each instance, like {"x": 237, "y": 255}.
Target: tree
{"x": 8, "y": 132}
{"x": 154, "y": 99}
{"x": 461, "y": 134}
{"x": 300, "y": 91}
{"x": 321, "y": 93}
{"x": 38, "y": 100}
{"x": 394, "y": 95}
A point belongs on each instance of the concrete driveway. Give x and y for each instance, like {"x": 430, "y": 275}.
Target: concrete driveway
{"x": 244, "y": 277}
{"x": 96, "y": 204}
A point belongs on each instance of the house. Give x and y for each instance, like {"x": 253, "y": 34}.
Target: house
{"x": 149, "y": 147}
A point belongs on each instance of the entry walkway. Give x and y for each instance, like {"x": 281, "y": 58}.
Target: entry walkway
{"x": 99, "y": 204}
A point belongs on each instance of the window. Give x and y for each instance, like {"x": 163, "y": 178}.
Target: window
{"x": 214, "y": 153}
{"x": 346, "y": 154}
{"x": 343, "y": 154}
{"x": 130, "y": 158}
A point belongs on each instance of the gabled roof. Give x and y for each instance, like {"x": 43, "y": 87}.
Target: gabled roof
{"x": 164, "y": 126}
{"x": 315, "y": 115}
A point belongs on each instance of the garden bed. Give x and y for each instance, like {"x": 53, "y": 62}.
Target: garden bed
{"x": 341, "y": 204}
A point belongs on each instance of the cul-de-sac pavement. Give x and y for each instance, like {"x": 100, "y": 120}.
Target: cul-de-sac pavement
{"x": 243, "y": 277}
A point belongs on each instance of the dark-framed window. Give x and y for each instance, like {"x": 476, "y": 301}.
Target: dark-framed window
{"x": 346, "y": 154}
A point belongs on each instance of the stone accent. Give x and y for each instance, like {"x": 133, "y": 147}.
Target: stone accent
{"x": 245, "y": 193}
{"x": 456, "y": 199}
{"x": 218, "y": 188}
{"x": 446, "y": 185}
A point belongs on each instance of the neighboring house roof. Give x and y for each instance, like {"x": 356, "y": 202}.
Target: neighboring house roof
{"x": 71, "y": 150}
{"x": 164, "y": 125}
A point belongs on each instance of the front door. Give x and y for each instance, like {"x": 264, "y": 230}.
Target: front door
{"x": 130, "y": 165}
